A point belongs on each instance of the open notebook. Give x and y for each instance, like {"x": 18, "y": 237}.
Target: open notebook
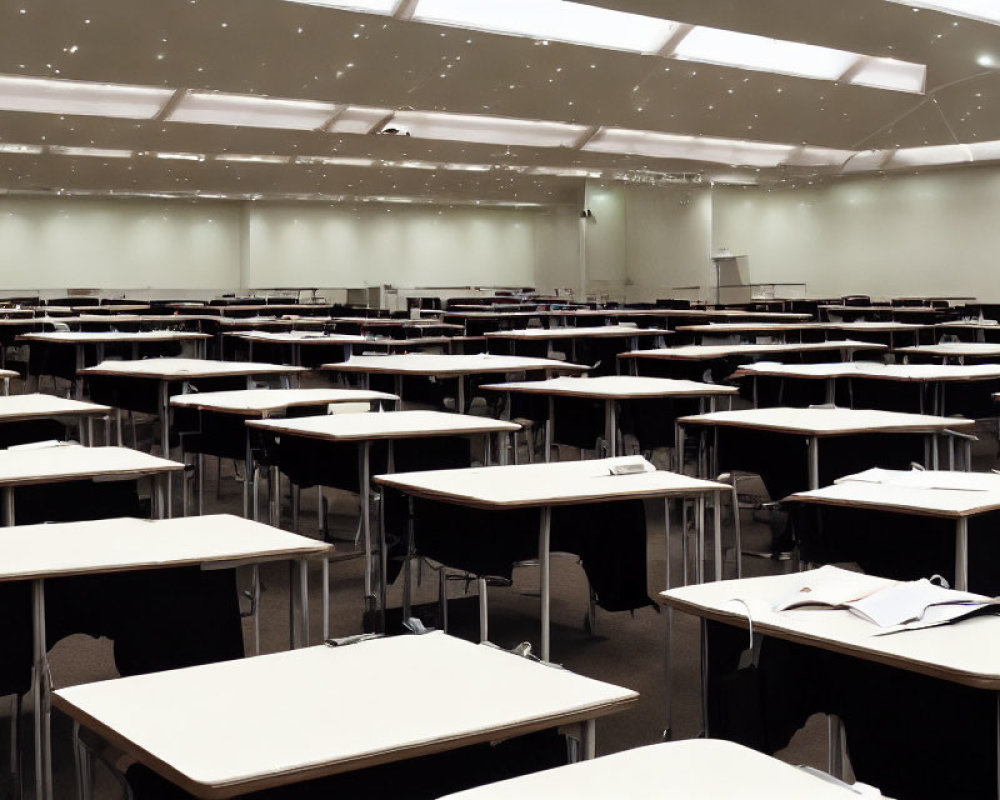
{"x": 894, "y": 606}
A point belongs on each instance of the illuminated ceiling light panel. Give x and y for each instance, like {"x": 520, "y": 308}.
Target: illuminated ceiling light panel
{"x": 253, "y": 159}
{"x": 565, "y": 172}
{"x": 50, "y": 96}
{"x": 552, "y": 20}
{"x": 90, "y": 152}
{"x": 808, "y": 156}
{"x": 467, "y": 167}
{"x": 207, "y": 108}
{"x": 179, "y": 156}
{"x": 981, "y": 10}
{"x": 358, "y": 119}
{"x": 488, "y": 130}
{"x": 21, "y": 149}
{"x": 335, "y": 161}
{"x": 365, "y": 6}
{"x": 691, "y": 148}
{"x": 985, "y": 151}
{"x": 744, "y": 50}
{"x": 888, "y": 73}
{"x": 929, "y": 156}
{"x": 866, "y": 161}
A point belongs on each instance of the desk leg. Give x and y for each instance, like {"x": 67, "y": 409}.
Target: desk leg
{"x": 703, "y": 644}
{"x": 679, "y": 445}
{"x": 610, "y": 438}
{"x": 668, "y": 675}
{"x": 248, "y": 478}
{"x": 407, "y": 577}
{"x": 737, "y": 533}
{"x": 165, "y": 419}
{"x": 666, "y": 543}
{"x": 460, "y": 395}
{"x": 303, "y": 570}
{"x": 364, "y": 475}
{"x": 700, "y": 547}
{"x": 325, "y": 591}
{"x": 550, "y": 424}
{"x": 8, "y": 506}
{"x": 814, "y": 462}
{"x": 544, "y": 540}
{"x": 589, "y": 743}
{"x": 962, "y": 554}
{"x": 718, "y": 535}
{"x": 40, "y": 675}
{"x": 831, "y": 392}
{"x": 835, "y": 746}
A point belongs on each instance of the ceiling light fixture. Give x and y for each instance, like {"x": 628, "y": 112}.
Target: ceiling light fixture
{"x": 53, "y": 96}
{"x": 488, "y": 130}
{"x": 21, "y": 149}
{"x": 90, "y": 152}
{"x": 210, "y": 108}
{"x": 253, "y": 159}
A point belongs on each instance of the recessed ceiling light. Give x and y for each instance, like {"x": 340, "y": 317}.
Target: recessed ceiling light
{"x": 90, "y": 152}
{"x": 209, "y": 108}
{"x": 253, "y": 159}
{"x": 179, "y": 156}
{"x": 488, "y": 130}
{"x": 335, "y": 161}
{"x": 982, "y": 10}
{"x": 20, "y": 149}
{"x": 51, "y": 96}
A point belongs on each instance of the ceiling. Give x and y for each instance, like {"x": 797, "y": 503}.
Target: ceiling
{"x": 291, "y": 50}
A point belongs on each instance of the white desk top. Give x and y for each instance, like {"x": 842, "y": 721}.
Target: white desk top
{"x": 829, "y": 421}
{"x": 729, "y": 313}
{"x": 298, "y": 337}
{"x": 704, "y": 352}
{"x": 105, "y": 337}
{"x": 967, "y": 652}
{"x": 977, "y": 324}
{"x": 691, "y": 769}
{"x": 601, "y": 332}
{"x": 427, "y": 364}
{"x": 260, "y": 402}
{"x": 384, "y": 425}
{"x": 954, "y": 349}
{"x": 181, "y": 368}
{"x": 29, "y": 406}
{"x": 871, "y": 369}
{"x": 546, "y": 484}
{"x": 614, "y": 387}
{"x": 195, "y": 726}
{"x": 66, "y": 462}
{"x": 127, "y": 545}
{"x": 928, "y": 493}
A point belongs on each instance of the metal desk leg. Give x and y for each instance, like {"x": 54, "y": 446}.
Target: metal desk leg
{"x": 666, "y": 543}
{"x": 738, "y": 535}
{"x": 589, "y": 743}
{"x": 364, "y": 475}
{"x": 407, "y": 577}
{"x": 610, "y": 428}
{"x": 165, "y": 418}
{"x": 813, "y": 462}
{"x": 325, "y": 576}
{"x": 303, "y": 570}
{"x": 248, "y": 477}
{"x": 700, "y": 548}
{"x": 40, "y": 677}
{"x": 962, "y": 554}
{"x": 550, "y": 424}
{"x": 544, "y": 540}
{"x": 668, "y": 675}
{"x": 835, "y": 746}
{"x": 718, "y": 535}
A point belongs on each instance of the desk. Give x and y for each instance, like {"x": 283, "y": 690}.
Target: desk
{"x": 955, "y": 496}
{"x": 701, "y": 355}
{"x": 544, "y": 486}
{"x": 38, "y": 553}
{"x": 262, "y": 404}
{"x": 694, "y": 768}
{"x": 79, "y": 340}
{"x": 457, "y": 367}
{"x": 612, "y": 389}
{"x": 957, "y": 350}
{"x": 30, "y": 407}
{"x": 162, "y": 372}
{"x": 349, "y": 343}
{"x": 937, "y": 377}
{"x": 983, "y": 330}
{"x": 966, "y": 654}
{"x": 467, "y": 694}
{"x": 828, "y": 425}
{"x": 365, "y": 429}
{"x": 629, "y": 336}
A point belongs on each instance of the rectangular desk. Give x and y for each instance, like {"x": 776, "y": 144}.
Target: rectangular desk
{"x": 630, "y": 337}
{"x": 935, "y": 377}
{"x": 60, "y": 463}
{"x": 965, "y": 654}
{"x": 544, "y": 486}
{"x": 366, "y": 429}
{"x": 612, "y": 389}
{"x": 38, "y": 553}
{"x": 27, "y": 407}
{"x": 349, "y": 343}
{"x": 816, "y": 424}
{"x": 181, "y": 373}
{"x": 454, "y": 694}
{"x": 701, "y": 355}
{"x": 953, "y": 496}
{"x": 457, "y": 367}
{"x": 264, "y": 404}
{"x": 957, "y": 350}
{"x": 712, "y": 769}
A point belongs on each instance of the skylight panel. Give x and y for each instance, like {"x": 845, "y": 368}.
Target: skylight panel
{"x": 358, "y": 119}
{"x": 335, "y": 161}
{"x": 747, "y": 51}
{"x": 365, "y": 6}
{"x": 51, "y": 96}
{"x": 90, "y": 152}
{"x": 487, "y": 130}
{"x": 552, "y": 20}
{"x": 207, "y": 108}
{"x": 888, "y": 73}
{"x": 247, "y": 158}
{"x": 930, "y": 156}
{"x": 694, "y": 148}
{"x": 981, "y": 10}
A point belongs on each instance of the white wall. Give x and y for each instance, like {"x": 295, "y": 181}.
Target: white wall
{"x": 557, "y": 250}
{"x": 120, "y": 244}
{"x": 309, "y": 245}
{"x": 934, "y": 233}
